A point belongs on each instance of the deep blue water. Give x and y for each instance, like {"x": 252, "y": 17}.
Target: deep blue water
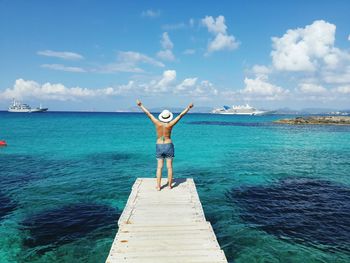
{"x": 273, "y": 193}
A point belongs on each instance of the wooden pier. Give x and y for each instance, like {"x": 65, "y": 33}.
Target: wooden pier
{"x": 164, "y": 226}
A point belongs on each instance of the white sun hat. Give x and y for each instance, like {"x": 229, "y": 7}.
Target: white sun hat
{"x": 165, "y": 116}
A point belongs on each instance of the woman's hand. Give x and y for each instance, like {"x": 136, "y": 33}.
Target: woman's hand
{"x": 190, "y": 105}
{"x": 138, "y": 102}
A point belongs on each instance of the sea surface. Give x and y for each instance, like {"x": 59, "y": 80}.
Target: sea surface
{"x": 273, "y": 193}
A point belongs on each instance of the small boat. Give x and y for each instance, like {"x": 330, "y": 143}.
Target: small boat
{"x": 3, "y": 143}
{"x": 19, "y": 107}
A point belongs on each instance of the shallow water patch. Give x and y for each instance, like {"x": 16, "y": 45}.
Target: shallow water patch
{"x": 52, "y": 228}
{"x": 302, "y": 210}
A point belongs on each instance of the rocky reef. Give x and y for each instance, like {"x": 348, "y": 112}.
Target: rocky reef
{"x": 326, "y": 120}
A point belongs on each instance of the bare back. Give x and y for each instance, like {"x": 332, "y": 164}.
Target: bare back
{"x": 163, "y": 132}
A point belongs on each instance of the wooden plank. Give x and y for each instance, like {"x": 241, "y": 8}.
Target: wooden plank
{"x": 164, "y": 226}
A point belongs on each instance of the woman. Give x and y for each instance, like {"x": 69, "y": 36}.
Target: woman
{"x": 164, "y": 145}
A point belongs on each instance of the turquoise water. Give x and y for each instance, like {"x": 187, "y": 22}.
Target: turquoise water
{"x": 65, "y": 178}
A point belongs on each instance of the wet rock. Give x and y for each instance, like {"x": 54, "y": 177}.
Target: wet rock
{"x": 326, "y": 120}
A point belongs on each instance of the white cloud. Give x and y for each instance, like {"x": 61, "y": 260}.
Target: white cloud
{"x": 61, "y": 67}
{"x": 341, "y": 76}
{"x": 186, "y": 83}
{"x": 260, "y": 88}
{"x": 261, "y": 70}
{"x": 221, "y": 41}
{"x": 23, "y": 89}
{"x": 215, "y": 26}
{"x": 342, "y": 90}
{"x": 164, "y": 84}
{"x": 128, "y": 61}
{"x": 166, "y": 42}
{"x": 150, "y": 13}
{"x": 204, "y": 90}
{"x": 303, "y": 49}
{"x": 189, "y": 52}
{"x": 26, "y": 89}
{"x": 349, "y": 37}
{"x": 135, "y": 57}
{"x": 311, "y": 88}
{"x": 166, "y": 53}
{"x": 62, "y": 55}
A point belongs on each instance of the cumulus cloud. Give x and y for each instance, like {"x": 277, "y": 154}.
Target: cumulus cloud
{"x": 186, "y": 83}
{"x": 167, "y": 45}
{"x": 221, "y": 41}
{"x": 61, "y": 67}
{"x": 23, "y": 89}
{"x": 342, "y": 90}
{"x": 261, "y": 70}
{"x": 159, "y": 85}
{"x": 203, "y": 90}
{"x": 340, "y": 76}
{"x": 309, "y": 60}
{"x": 150, "y": 13}
{"x": 166, "y": 55}
{"x": 59, "y": 54}
{"x": 311, "y": 88}
{"x": 164, "y": 84}
{"x": 26, "y": 89}
{"x": 128, "y": 61}
{"x": 303, "y": 49}
{"x": 261, "y": 88}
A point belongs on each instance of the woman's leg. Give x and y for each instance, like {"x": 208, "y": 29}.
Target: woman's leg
{"x": 169, "y": 165}
{"x": 160, "y": 163}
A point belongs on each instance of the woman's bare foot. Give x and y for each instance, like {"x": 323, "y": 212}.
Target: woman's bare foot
{"x": 169, "y": 186}
{"x": 158, "y": 188}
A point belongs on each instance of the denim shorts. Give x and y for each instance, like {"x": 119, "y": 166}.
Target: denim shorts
{"x": 165, "y": 150}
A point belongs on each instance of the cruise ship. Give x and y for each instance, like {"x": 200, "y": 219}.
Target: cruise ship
{"x": 240, "y": 110}
{"x": 19, "y": 107}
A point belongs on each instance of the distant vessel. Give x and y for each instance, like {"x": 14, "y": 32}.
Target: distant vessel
{"x": 240, "y": 110}
{"x": 19, "y": 107}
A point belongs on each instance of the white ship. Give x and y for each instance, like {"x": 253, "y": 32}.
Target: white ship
{"x": 19, "y": 107}
{"x": 240, "y": 110}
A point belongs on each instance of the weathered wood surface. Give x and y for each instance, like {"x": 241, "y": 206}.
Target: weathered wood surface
{"x": 164, "y": 226}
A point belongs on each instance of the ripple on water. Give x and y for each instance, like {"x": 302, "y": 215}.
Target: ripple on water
{"x": 52, "y": 228}
{"x": 302, "y": 210}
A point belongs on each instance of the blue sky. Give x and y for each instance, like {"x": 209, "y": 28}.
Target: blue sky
{"x": 102, "y": 55}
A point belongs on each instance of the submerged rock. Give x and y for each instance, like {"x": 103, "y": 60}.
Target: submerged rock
{"x": 6, "y": 206}
{"x": 302, "y": 210}
{"x": 333, "y": 120}
{"x": 51, "y": 228}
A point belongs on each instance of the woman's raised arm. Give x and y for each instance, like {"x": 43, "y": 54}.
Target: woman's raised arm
{"x": 143, "y": 108}
{"x": 183, "y": 113}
